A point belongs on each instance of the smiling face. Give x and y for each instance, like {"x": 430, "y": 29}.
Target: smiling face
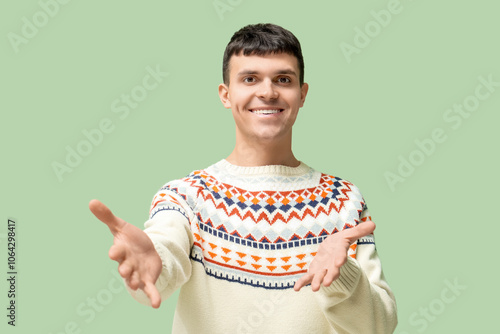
{"x": 264, "y": 94}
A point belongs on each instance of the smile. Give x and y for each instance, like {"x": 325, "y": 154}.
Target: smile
{"x": 266, "y": 111}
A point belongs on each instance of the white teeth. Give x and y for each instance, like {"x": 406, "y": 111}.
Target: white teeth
{"x": 266, "y": 112}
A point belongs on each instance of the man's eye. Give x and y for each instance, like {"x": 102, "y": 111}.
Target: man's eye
{"x": 248, "y": 79}
{"x": 284, "y": 80}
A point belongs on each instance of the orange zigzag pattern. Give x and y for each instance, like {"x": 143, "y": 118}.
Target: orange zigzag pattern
{"x": 207, "y": 196}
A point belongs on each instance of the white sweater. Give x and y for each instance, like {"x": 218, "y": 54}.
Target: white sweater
{"x": 236, "y": 239}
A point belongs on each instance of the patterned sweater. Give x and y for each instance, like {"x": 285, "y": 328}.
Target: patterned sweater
{"x": 236, "y": 239}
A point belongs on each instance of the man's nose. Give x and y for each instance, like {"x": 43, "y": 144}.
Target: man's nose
{"x": 267, "y": 90}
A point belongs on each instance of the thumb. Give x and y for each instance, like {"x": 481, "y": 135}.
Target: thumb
{"x": 360, "y": 230}
{"x": 105, "y": 215}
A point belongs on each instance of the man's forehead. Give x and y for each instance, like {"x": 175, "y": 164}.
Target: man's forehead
{"x": 281, "y": 63}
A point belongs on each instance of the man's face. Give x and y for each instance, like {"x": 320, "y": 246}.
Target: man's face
{"x": 264, "y": 94}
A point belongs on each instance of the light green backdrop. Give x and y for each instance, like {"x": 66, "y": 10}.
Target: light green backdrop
{"x": 378, "y": 86}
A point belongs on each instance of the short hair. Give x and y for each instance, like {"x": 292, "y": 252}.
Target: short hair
{"x": 262, "y": 39}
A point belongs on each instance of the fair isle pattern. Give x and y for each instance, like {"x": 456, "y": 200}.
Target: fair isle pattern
{"x": 262, "y": 238}
{"x": 168, "y": 202}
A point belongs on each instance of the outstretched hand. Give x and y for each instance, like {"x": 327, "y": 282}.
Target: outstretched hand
{"x": 331, "y": 255}
{"x": 139, "y": 263}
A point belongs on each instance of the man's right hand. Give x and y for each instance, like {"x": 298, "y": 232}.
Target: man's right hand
{"x": 139, "y": 263}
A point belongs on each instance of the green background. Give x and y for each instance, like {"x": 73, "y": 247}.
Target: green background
{"x": 360, "y": 116}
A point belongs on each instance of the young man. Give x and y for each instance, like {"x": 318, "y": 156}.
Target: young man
{"x": 243, "y": 237}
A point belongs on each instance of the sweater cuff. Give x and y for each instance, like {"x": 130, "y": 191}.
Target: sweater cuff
{"x": 344, "y": 286}
{"x": 161, "y": 282}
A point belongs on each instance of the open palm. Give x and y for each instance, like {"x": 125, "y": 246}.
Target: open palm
{"x": 139, "y": 263}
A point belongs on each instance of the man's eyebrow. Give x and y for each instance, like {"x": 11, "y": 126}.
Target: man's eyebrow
{"x": 251, "y": 72}
{"x": 291, "y": 72}
{"x": 247, "y": 72}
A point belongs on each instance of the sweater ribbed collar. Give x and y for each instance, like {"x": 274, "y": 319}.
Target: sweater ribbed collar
{"x": 270, "y": 177}
{"x": 269, "y": 170}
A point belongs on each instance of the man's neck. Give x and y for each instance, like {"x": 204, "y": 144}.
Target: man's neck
{"x": 262, "y": 154}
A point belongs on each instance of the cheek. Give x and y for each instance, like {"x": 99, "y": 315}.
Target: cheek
{"x": 295, "y": 102}
{"x": 239, "y": 98}
{"x": 292, "y": 97}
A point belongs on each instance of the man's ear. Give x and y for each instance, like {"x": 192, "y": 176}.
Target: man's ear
{"x": 303, "y": 93}
{"x": 224, "y": 95}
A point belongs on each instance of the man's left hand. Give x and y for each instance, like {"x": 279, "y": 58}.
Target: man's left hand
{"x": 331, "y": 255}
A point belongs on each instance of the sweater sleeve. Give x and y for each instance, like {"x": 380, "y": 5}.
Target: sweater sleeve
{"x": 360, "y": 300}
{"x": 168, "y": 227}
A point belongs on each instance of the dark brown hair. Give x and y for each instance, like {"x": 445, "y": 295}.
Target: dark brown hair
{"x": 262, "y": 39}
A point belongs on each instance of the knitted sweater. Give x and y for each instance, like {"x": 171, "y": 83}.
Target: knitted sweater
{"x": 236, "y": 239}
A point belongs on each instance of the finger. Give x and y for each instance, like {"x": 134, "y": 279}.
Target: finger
{"x": 105, "y": 215}
{"x": 303, "y": 281}
{"x": 153, "y": 294}
{"x": 332, "y": 274}
{"x": 117, "y": 253}
{"x": 318, "y": 278}
{"x": 125, "y": 270}
{"x": 359, "y": 231}
{"x": 134, "y": 281}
